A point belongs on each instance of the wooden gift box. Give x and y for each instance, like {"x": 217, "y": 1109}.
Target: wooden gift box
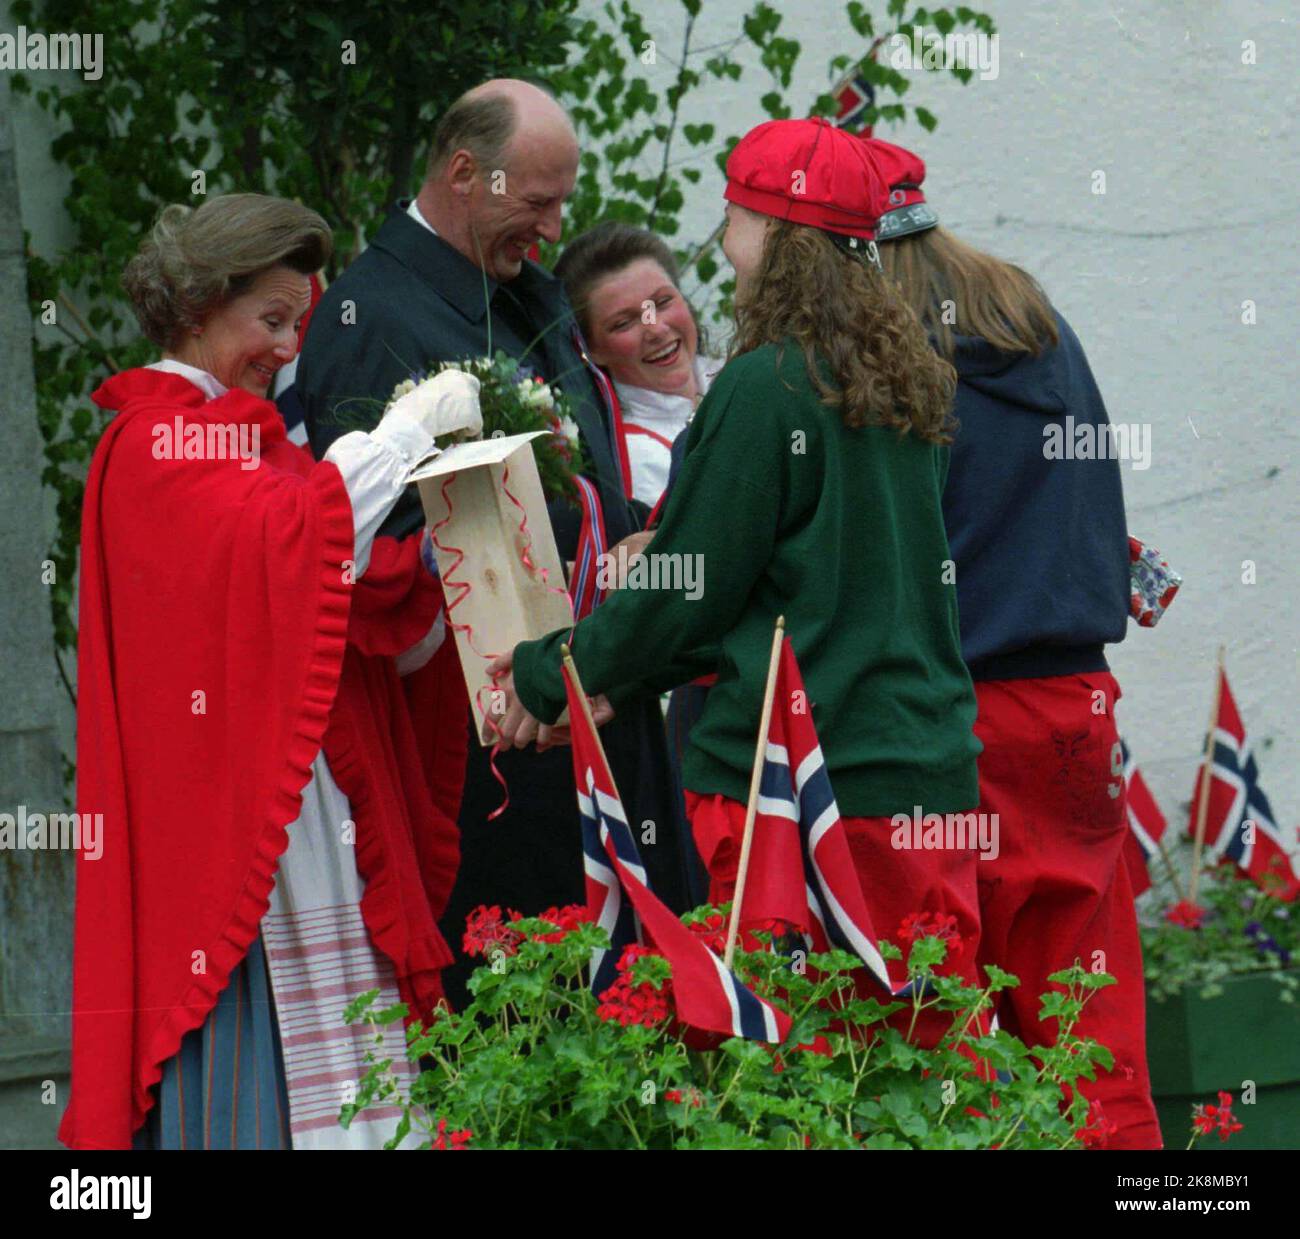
{"x": 506, "y": 603}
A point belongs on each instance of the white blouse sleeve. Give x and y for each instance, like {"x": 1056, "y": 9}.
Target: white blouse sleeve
{"x": 374, "y": 466}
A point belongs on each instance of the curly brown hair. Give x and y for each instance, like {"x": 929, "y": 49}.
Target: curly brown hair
{"x": 840, "y": 309}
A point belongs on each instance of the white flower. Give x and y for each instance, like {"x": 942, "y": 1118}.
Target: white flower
{"x": 569, "y": 429}
{"x": 538, "y": 395}
{"x": 446, "y": 402}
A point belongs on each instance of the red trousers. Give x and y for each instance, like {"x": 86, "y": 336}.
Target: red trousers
{"x": 896, "y": 882}
{"x": 1058, "y": 890}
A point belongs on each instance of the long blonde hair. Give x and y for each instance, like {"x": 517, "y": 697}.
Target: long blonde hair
{"x": 985, "y": 296}
{"x": 836, "y": 307}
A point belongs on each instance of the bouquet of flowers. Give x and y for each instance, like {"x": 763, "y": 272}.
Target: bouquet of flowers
{"x": 514, "y": 400}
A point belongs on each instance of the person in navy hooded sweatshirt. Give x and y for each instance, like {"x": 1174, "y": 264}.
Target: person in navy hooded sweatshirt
{"x": 1040, "y": 549}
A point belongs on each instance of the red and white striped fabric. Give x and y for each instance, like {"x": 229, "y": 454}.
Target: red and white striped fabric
{"x": 319, "y": 961}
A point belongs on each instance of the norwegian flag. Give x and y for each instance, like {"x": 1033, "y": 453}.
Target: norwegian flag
{"x": 1239, "y": 825}
{"x": 1145, "y": 824}
{"x": 853, "y": 102}
{"x": 708, "y": 996}
{"x": 800, "y": 868}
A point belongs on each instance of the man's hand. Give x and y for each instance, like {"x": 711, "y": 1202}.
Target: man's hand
{"x": 519, "y": 728}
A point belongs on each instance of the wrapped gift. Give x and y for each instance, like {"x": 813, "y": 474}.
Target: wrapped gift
{"x": 1152, "y": 581}
{"x": 501, "y": 573}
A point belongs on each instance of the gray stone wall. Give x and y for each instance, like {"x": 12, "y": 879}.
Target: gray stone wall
{"x": 35, "y": 886}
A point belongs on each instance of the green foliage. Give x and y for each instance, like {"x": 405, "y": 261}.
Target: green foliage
{"x": 1246, "y": 928}
{"x": 535, "y": 1062}
{"x": 514, "y": 401}
{"x": 257, "y": 98}
{"x": 335, "y": 107}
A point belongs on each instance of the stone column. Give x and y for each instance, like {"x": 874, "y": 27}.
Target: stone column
{"x": 36, "y": 887}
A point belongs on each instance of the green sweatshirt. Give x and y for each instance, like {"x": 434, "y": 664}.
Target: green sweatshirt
{"x": 780, "y": 509}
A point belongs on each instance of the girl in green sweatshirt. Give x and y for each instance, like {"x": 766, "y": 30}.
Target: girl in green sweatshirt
{"x": 810, "y": 488}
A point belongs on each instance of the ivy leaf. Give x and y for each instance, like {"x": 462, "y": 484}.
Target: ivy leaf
{"x": 860, "y": 19}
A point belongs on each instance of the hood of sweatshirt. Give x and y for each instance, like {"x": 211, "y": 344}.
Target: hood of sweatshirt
{"x": 1041, "y": 383}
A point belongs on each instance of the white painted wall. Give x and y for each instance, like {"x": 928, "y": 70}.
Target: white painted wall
{"x": 1200, "y": 214}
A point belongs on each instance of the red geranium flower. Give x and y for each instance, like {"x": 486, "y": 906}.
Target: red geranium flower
{"x": 922, "y": 925}
{"x": 452, "y": 1140}
{"x": 1187, "y": 914}
{"x": 564, "y": 919}
{"x": 713, "y": 931}
{"x": 485, "y": 932}
{"x": 1227, "y": 1125}
{"x": 1206, "y": 1118}
{"x": 1097, "y": 1131}
{"x": 628, "y": 1003}
{"x": 913, "y": 926}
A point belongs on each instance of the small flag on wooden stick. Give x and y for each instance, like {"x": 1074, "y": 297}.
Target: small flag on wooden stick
{"x": 707, "y": 995}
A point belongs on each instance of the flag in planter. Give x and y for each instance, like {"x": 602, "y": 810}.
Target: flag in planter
{"x": 707, "y": 995}
{"x": 1239, "y": 825}
{"x": 1146, "y": 824}
{"x": 801, "y": 870}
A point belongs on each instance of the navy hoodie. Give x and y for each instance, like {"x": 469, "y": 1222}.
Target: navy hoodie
{"x": 1041, "y": 546}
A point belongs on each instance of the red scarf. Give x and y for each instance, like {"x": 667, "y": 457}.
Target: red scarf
{"x": 221, "y": 647}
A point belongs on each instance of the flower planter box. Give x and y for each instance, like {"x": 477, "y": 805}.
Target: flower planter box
{"x": 1197, "y": 1046}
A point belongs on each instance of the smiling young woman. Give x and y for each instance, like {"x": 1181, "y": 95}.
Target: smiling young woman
{"x": 624, "y": 287}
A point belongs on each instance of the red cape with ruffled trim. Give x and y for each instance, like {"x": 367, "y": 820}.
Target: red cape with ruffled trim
{"x": 221, "y": 647}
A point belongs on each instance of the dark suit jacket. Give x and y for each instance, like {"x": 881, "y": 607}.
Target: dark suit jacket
{"x": 411, "y": 301}
{"x": 408, "y": 302}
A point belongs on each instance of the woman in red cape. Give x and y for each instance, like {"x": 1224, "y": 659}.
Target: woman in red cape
{"x": 277, "y": 837}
